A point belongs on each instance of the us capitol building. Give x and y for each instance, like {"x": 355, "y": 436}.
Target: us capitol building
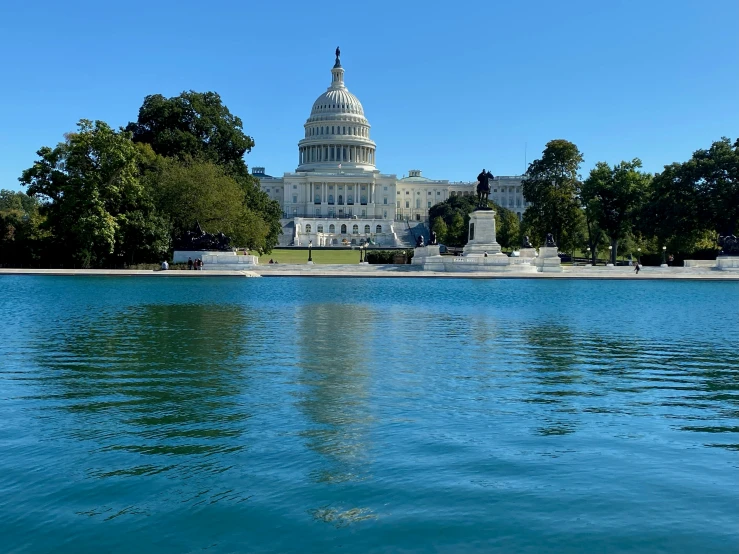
{"x": 337, "y": 195}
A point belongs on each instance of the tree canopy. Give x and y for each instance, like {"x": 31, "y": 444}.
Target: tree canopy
{"x": 92, "y": 198}
{"x": 700, "y": 196}
{"x": 614, "y": 196}
{"x": 551, "y": 185}
{"x": 193, "y": 125}
{"x": 194, "y": 190}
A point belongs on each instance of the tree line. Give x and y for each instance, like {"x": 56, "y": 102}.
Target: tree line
{"x": 682, "y": 209}
{"x": 111, "y": 198}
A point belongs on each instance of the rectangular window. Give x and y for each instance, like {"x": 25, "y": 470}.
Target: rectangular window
{"x": 385, "y": 188}
{"x": 398, "y": 204}
{"x": 295, "y": 187}
{"x": 407, "y": 204}
{"x": 438, "y": 193}
{"x": 295, "y": 199}
{"x": 429, "y": 203}
{"x": 384, "y": 200}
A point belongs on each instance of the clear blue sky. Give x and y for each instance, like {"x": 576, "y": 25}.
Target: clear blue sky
{"x": 448, "y": 88}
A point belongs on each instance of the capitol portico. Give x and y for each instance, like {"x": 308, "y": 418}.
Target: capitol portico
{"x": 337, "y": 196}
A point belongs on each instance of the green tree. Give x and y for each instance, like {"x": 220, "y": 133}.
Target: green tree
{"x": 455, "y": 212}
{"x": 440, "y": 227}
{"x": 507, "y": 230}
{"x": 89, "y": 191}
{"x": 193, "y": 125}
{"x": 693, "y": 200}
{"x": 192, "y": 191}
{"x": 551, "y": 186}
{"x": 614, "y": 196}
{"x": 458, "y": 229}
{"x": 21, "y": 239}
{"x": 198, "y": 126}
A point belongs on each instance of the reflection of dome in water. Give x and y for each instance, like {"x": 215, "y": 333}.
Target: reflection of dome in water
{"x": 337, "y": 131}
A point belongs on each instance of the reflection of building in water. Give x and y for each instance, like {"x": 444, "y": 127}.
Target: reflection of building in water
{"x": 336, "y": 383}
{"x": 337, "y": 193}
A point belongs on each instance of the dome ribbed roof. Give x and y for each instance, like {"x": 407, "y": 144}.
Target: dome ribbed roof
{"x": 337, "y": 101}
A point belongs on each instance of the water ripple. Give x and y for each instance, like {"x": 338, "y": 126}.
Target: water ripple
{"x": 367, "y": 415}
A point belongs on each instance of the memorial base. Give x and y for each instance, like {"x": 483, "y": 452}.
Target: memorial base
{"x": 216, "y": 260}
{"x": 548, "y": 260}
{"x": 730, "y": 263}
{"x": 482, "y": 235}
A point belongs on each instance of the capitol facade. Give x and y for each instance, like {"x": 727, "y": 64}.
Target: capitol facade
{"x": 337, "y": 196}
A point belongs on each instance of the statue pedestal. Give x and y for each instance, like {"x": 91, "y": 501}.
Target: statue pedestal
{"x": 730, "y": 263}
{"x": 227, "y": 261}
{"x": 428, "y": 257}
{"x": 481, "y": 233}
{"x": 548, "y": 260}
{"x": 527, "y": 254}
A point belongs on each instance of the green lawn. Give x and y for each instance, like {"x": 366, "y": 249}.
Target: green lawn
{"x": 320, "y": 256}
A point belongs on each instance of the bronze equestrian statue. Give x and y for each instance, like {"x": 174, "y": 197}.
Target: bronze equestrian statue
{"x": 483, "y": 189}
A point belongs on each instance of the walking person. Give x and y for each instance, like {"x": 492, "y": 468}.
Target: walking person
{"x": 189, "y": 263}
{"x": 637, "y": 267}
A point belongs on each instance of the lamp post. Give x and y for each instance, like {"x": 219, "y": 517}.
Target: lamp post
{"x": 610, "y": 259}
{"x": 589, "y": 258}
{"x": 664, "y": 260}
{"x": 360, "y": 253}
{"x": 638, "y": 255}
{"x": 310, "y": 251}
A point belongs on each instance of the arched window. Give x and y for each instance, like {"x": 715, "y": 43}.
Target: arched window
{"x": 378, "y": 229}
{"x": 364, "y": 199}
{"x": 307, "y": 228}
{"x": 343, "y": 229}
{"x": 320, "y": 228}
{"x": 341, "y": 199}
{"x": 332, "y": 228}
{"x": 366, "y": 229}
{"x": 349, "y": 199}
{"x": 330, "y": 198}
{"x": 355, "y": 229}
{"x": 317, "y": 198}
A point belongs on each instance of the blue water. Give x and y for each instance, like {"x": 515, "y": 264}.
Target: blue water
{"x": 368, "y": 415}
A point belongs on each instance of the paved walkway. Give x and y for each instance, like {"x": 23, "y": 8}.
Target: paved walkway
{"x": 403, "y": 271}
{"x": 127, "y": 272}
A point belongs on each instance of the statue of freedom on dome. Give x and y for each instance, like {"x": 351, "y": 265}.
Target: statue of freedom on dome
{"x": 483, "y": 189}
{"x": 338, "y": 52}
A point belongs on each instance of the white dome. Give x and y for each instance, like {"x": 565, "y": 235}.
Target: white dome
{"x": 337, "y": 101}
{"x": 337, "y": 134}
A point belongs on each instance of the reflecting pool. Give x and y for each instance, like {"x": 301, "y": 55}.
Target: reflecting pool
{"x": 368, "y": 415}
